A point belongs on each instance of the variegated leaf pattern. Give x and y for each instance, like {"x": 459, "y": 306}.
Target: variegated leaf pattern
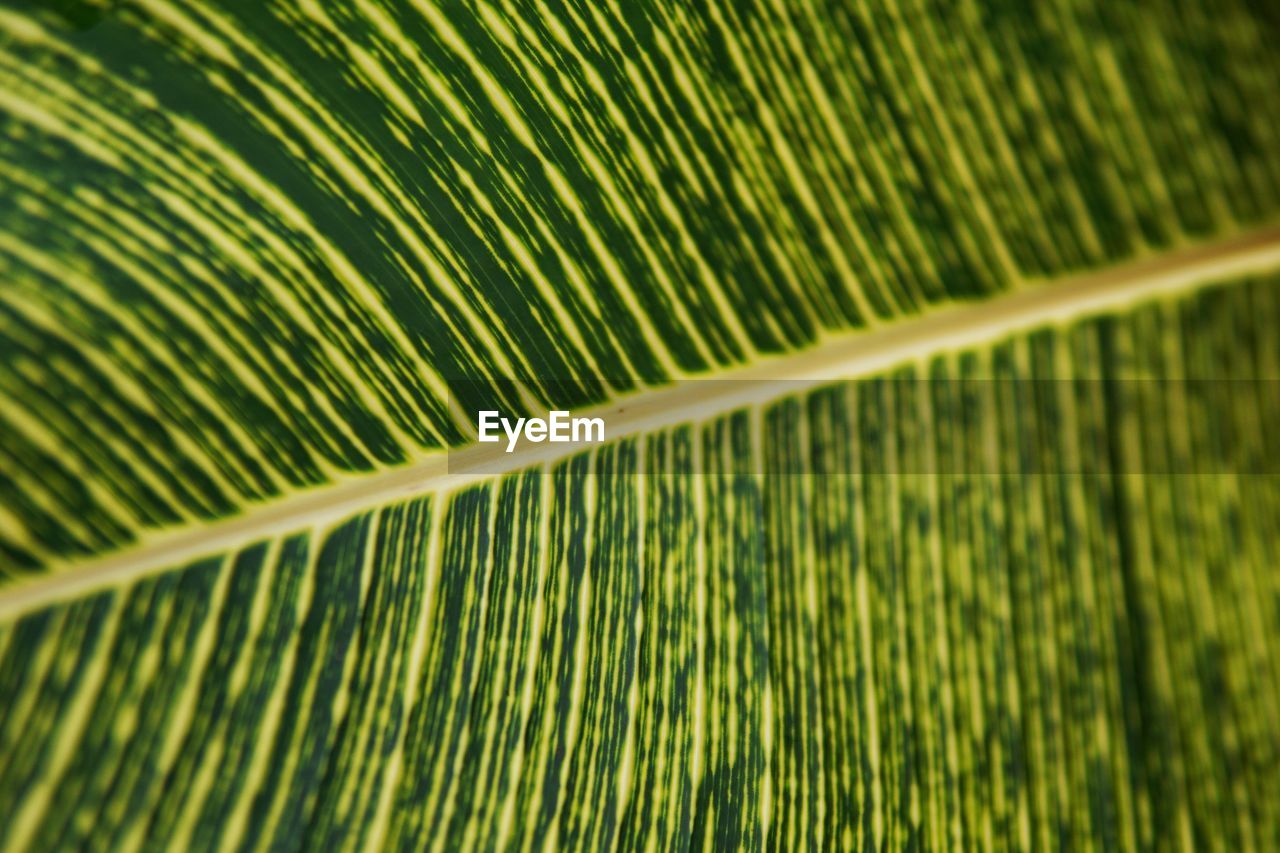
{"x": 1018, "y": 594}
{"x": 250, "y": 248}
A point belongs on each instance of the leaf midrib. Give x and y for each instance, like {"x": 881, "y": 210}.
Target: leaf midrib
{"x": 847, "y": 355}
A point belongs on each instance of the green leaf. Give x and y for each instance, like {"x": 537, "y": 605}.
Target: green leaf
{"x": 939, "y": 351}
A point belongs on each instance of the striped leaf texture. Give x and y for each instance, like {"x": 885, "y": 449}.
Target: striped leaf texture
{"x": 998, "y": 571}
{"x": 772, "y": 628}
{"x": 248, "y": 248}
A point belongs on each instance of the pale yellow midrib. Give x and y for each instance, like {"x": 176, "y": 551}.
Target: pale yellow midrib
{"x": 847, "y": 355}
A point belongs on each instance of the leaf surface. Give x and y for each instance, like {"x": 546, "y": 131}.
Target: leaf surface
{"x": 970, "y": 582}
